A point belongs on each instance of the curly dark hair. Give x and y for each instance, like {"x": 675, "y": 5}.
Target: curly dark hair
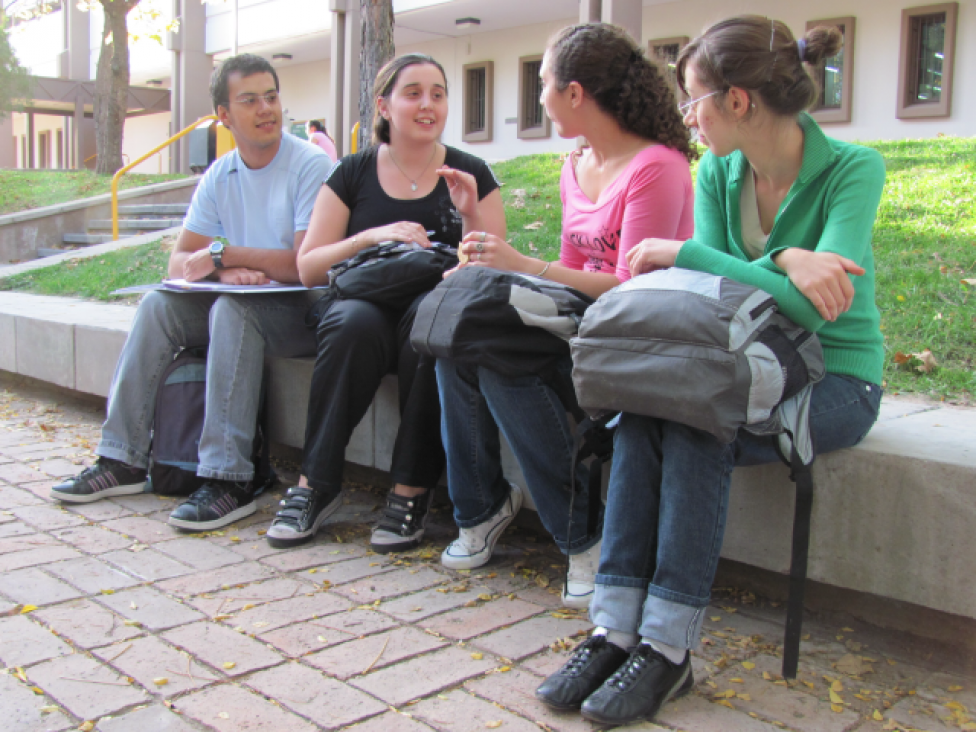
{"x": 246, "y": 64}
{"x": 613, "y": 70}
{"x": 760, "y": 55}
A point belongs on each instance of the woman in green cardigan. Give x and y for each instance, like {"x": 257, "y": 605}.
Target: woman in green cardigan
{"x": 784, "y": 208}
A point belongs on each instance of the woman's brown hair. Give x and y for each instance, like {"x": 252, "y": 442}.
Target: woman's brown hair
{"x": 386, "y": 80}
{"x": 613, "y": 70}
{"x": 760, "y": 55}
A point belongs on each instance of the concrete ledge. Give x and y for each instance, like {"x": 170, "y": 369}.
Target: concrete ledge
{"x": 892, "y": 517}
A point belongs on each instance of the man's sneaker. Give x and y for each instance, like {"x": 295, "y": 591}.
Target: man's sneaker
{"x": 578, "y": 590}
{"x": 302, "y": 511}
{"x": 474, "y": 546}
{"x": 105, "y": 478}
{"x": 594, "y": 661}
{"x": 213, "y": 505}
{"x": 402, "y": 525}
{"x": 639, "y": 688}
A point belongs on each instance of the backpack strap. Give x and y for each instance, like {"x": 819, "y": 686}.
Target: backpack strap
{"x": 801, "y": 473}
{"x": 265, "y": 476}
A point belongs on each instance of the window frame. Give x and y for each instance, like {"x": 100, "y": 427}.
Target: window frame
{"x": 536, "y": 132}
{"x": 486, "y": 134}
{"x": 840, "y": 114}
{"x": 907, "y": 107}
{"x": 680, "y": 42}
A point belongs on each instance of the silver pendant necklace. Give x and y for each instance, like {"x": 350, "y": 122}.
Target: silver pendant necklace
{"x": 413, "y": 181}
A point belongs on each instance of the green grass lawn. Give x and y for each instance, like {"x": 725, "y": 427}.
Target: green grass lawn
{"x": 924, "y": 246}
{"x": 21, "y": 190}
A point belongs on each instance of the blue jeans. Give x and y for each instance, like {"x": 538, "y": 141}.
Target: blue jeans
{"x": 239, "y": 331}
{"x": 667, "y": 506}
{"x": 475, "y": 403}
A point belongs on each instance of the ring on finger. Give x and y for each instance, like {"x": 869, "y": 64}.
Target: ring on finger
{"x": 480, "y": 246}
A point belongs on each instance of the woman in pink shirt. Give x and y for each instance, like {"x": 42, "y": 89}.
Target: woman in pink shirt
{"x": 631, "y": 183}
{"x": 318, "y": 135}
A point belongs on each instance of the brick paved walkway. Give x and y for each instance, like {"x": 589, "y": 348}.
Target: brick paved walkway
{"x": 112, "y": 620}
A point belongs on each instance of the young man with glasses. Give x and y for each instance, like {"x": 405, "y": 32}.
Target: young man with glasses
{"x": 259, "y": 198}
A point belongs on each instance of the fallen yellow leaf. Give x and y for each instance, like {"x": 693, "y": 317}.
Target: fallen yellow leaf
{"x": 504, "y": 669}
{"x": 766, "y": 676}
{"x": 160, "y": 681}
{"x": 877, "y": 716}
{"x": 484, "y": 596}
{"x": 748, "y": 665}
{"x": 745, "y": 697}
{"x": 107, "y": 592}
{"x": 37, "y": 690}
{"x": 223, "y": 715}
{"x": 838, "y": 708}
{"x": 835, "y": 698}
{"x": 86, "y": 726}
{"x": 477, "y": 656}
{"x": 725, "y": 703}
{"x": 737, "y": 681}
{"x": 28, "y": 609}
{"x": 955, "y": 687}
{"x": 493, "y": 725}
{"x": 837, "y": 686}
{"x": 229, "y": 665}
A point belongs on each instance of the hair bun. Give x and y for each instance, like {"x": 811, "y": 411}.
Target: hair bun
{"x": 820, "y": 43}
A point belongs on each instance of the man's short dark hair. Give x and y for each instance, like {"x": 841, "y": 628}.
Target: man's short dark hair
{"x": 246, "y": 64}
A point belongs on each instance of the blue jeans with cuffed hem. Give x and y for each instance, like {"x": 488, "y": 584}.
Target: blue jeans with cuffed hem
{"x": 239, "y": 330}
{"x": 667, "y": 507}
{"x": 475, "y": 404}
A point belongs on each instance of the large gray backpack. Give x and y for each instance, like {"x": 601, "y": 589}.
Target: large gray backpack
{"x": 714, "y": 354}
{"x": 698, "y": 349}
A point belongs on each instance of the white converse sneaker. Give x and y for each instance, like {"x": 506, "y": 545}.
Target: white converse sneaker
{"x": 579, "y": 587}
{"x": 474, "y": 546}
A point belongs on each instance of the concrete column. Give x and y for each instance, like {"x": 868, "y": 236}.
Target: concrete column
{"x": 8, "y": 149}
{"x": 195, "y": 69}
{"x": 337, "y": 74}
{"x": 627, "y": 14}
{"x": 173, "y": 46}
{"x": 85, "y": 148}
{"x": 589, "y": 11}
{"x": 77, "y": 42}
{"x": 350, "y": 81}
{"x": 31, "y": 147}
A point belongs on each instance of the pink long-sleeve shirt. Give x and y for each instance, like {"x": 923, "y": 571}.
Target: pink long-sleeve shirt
{"x": 652, "y": 198}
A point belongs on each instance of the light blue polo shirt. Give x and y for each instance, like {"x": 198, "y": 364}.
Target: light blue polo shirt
{"x": 261, "y": 208}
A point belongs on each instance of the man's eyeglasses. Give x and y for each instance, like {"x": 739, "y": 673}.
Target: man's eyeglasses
{"x": 693, "y": 103}
{"x": 250, "y": 100}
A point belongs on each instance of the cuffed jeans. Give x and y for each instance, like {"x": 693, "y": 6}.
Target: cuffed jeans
{"x": 358, "y": 344}
{"x": 475, "y": 404}
{"x": 239, "y": 331}
{"x": 667, "y": 506}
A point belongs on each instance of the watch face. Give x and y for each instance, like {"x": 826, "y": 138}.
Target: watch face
{"x": 217, "y": 247}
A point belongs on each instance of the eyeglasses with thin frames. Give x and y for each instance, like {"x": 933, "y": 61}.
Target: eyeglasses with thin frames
{"x": 692, "y": 104}
{"x": 250, "y": 100}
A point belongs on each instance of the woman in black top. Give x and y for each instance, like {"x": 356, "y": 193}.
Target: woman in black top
{"x": 403, "y": 187}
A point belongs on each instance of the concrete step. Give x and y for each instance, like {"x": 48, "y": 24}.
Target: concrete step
{"x": 134, "y": 224}
{"x": 155, "y": 209}
{"x": 52, "y": 251}
{"x": 86, "y": 239}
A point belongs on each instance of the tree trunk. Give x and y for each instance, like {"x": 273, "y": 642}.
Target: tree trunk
{"x": 112, "y": 85}
{"x": 377, "y": 48}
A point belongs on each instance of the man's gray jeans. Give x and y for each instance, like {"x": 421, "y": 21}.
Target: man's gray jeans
{"x": 239, "y": 330}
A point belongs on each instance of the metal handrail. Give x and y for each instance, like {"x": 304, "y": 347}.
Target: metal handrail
{"x": 122, "y": 171}
{"x": 354, "y": 142}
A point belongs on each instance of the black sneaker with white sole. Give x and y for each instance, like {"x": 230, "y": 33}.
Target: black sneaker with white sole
{"x": 214, "y": 505}
{"x": 302, "y": 512}
{"x": 402, "y": 525}
{"x": 107, "y": 477}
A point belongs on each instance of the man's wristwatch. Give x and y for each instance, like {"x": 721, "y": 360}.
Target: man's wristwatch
{"x": 217, "y": 254}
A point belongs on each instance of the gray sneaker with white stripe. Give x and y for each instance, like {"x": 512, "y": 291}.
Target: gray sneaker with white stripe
{"x": 105, "y": 478}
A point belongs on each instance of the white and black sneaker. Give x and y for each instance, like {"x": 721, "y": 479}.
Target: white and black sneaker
{"x": 107, "y": 477}
{"x": 402, "y": 525}
{"x": 214, "y": 505}
{"x": 302, "y": 512}
{"x": 474, "y": 546}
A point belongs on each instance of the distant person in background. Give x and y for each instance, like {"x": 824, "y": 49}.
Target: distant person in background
{"x": 318, "y": 135}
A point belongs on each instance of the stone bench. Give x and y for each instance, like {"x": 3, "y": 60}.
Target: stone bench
{"x": 892, "y": 517}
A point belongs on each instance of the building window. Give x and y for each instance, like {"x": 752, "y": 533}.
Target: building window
{"x": 532, "y": 119}
{"x": 834, "y": 75}
{"x": 478, "y": 92}
{"x": 44, "y": 149}
{"x": 928, "y": 36}
{"x": 666, "y": 51}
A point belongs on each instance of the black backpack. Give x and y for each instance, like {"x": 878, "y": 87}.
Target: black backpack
{"x": 178, "y": 424}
